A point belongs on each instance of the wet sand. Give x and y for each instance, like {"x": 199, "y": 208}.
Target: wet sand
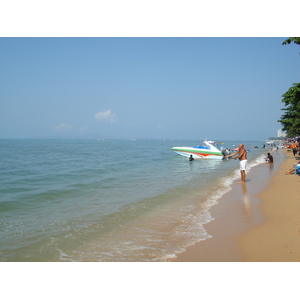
{"x": 247, "y": 224}
{"x": 278, "y": 238}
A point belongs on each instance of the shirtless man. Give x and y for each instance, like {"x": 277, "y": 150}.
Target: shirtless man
{"x": 242, "y": 156}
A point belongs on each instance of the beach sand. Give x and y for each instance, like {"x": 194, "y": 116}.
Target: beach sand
{"x": 256, "y": 221}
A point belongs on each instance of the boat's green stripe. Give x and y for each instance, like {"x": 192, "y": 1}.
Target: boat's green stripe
{"x": 197, "y": 151}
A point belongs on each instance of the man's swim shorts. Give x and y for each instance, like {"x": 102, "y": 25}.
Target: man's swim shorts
{"x": 243, "y": 164}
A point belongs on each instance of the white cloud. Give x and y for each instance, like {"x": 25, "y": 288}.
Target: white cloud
{"x": 63, "y": 126}
{"x": 106, "y": 116}
{"x": 83, "y": 128}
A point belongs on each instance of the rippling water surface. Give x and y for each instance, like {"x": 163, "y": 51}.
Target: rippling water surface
{"x": 107, "y": 200}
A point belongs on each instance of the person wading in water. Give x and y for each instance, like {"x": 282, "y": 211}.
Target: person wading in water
{"x": 242, "y": 156}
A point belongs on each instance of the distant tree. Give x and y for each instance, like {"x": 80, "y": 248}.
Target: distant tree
{"x": 296, "y": 40}
{"x": 290, "y": 120}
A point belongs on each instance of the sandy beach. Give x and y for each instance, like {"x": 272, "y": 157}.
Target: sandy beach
{"x": 257, "y": 221}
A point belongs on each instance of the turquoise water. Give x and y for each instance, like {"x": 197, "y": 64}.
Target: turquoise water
{"x": 107, "y": 200}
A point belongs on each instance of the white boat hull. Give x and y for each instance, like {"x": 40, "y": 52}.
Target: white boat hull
{"x": 198, "y": 152}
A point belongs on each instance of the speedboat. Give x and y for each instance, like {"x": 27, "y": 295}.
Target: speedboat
{"x": 208, "y": 150}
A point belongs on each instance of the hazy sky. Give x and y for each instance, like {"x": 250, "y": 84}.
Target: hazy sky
{"x": 167, "y": 88}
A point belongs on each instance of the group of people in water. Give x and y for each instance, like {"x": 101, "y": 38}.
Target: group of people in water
{"x": 241, "y": 155}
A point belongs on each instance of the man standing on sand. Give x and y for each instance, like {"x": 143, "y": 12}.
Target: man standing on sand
{"x": 294, "y": 147}
{"x": 242, "y": 156}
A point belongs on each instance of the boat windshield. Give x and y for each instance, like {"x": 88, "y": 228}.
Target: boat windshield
{"x": 201, "y": 147}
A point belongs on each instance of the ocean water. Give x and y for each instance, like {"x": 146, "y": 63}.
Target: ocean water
{"x": 107, "y": 200}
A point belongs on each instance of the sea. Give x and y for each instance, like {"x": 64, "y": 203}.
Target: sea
{"x": 108, "y": 200}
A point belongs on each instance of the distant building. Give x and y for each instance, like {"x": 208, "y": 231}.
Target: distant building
{"x": 280, "y": 133}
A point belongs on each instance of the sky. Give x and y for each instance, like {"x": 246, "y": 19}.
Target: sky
{"x": 144, "y": 87}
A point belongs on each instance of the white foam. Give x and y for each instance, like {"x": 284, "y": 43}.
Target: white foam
{"x": 64, "y": 256}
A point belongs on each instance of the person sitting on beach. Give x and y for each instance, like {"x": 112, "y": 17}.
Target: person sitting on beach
{"x": 290, "y": 171}
{"x": 269, "y": 158}
{"x": 242, "y": 156}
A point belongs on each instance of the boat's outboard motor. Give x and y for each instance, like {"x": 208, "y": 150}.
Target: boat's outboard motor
{"x": 225, "y": 152}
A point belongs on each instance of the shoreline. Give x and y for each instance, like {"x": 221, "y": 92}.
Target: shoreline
{"x": 278, "y": 238}
{"x": 242, "y": 214}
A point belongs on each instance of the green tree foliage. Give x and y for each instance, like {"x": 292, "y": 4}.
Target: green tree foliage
{"x": 290, "y": 120}
{"x": 296, "y": 40}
